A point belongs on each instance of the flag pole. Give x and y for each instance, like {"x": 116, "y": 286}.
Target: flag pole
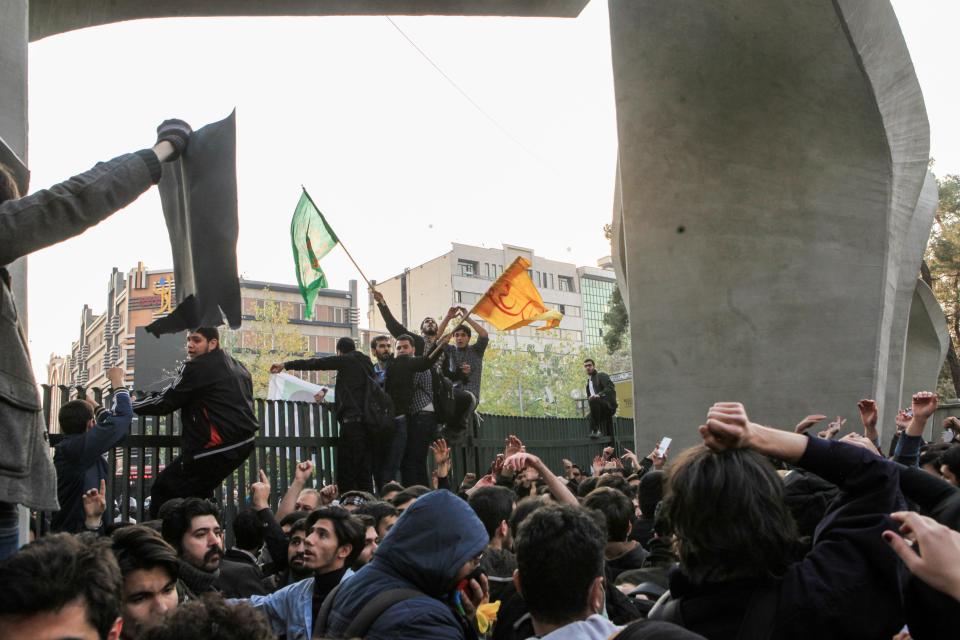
{"x": 339, "y": 241}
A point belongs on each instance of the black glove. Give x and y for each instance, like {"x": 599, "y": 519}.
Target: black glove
{"x": 177, "y": 133}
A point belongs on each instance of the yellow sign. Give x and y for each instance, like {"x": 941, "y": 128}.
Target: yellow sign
{"x": 164, "y": 289}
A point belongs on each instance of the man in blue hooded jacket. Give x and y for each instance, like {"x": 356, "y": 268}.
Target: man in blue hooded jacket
{"x": 434, "y": 545}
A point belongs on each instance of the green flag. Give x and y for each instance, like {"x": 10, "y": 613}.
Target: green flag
{"x": 312, "y": 239}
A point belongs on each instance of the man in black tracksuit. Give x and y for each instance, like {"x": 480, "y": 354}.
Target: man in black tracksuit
{"x": 355, "y": 452}
{"x": 215, "y": 395}
{"x": 602, "y": 396}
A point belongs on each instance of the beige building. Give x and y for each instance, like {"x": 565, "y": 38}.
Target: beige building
{"x": 463, "y": 275}
{"x": 137, "y": 298}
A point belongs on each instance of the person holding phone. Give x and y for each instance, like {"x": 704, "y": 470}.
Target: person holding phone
{"x": 602, "y": 397}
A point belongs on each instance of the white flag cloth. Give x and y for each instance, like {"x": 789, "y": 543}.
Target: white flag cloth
{"x": 284, "y": 386}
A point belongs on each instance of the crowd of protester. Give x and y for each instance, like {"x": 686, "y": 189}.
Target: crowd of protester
{"x": 756, "y": 533}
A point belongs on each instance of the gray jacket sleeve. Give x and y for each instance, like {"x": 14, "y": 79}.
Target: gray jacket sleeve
{"x": 52, "y": 215}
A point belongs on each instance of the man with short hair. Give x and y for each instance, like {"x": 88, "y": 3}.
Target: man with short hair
{"x": 354, "y": 456}
{"x": 602, "y": 398}
{"x": 150, "y": 569}
{"x": 617, "y": 509}
{"x": 371, "y": 540}
{"x": 384, "y": 514}
{"x": 89, "y": 432}
{"x": 61, "y": 586}
{"x": 560, "y": 573}
{"x": 240, "y": 573}
{"x": 215, "y": 395}
{"x": 296, "y": 560}
{"x": 464, "y": 367}
{"x": 334, "y": 541}
{"x": 494, "y": 506}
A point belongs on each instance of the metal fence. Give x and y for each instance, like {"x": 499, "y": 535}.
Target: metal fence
{"x": 295, "y": 431}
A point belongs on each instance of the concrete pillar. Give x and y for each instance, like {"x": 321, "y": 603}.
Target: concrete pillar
{"x": 771, "y": 156}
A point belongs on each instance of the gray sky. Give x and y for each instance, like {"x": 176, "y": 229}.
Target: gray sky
{"x": 399, "y": 161}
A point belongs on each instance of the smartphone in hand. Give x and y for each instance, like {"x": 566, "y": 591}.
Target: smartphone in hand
{"x": 663, "y": 446}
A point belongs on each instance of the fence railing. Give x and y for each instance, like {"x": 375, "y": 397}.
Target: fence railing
{"x": 296, "y": 431}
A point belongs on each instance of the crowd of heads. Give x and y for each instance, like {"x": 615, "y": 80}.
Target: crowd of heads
{"x": 601, "y": 548}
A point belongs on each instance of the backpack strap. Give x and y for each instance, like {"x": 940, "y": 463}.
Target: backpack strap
{"x": 667, "y": 609}
{"x": 370, "y": 612}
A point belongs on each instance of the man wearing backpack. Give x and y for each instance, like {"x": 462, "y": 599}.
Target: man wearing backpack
{"x": 355, "y": 452}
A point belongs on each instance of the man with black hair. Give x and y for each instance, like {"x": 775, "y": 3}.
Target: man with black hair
{"x": 354, "y": 454}
{"x": 384, "y": 513}
{"x": 214, "y": 393}
{"x": 950, "y": 465}
{"x": 494, "y": 506}
{"x": 210, "y": 618}
{"x": 193, "y": 528}
{"x": 371, "y": 540}
{"x": 560, "y": 573}
{"x": 464, "y": 366}
{"x": 61, "y": 586}
{"x": 333, "y": 543}
{"x": 296, "y": 559}
{"x": 240, "y": 573}
{"x": 617, "y": 509}
{"x": 405, "y": 499}
{"x": 27, "y": 224}
{"x": 150, "y": 570}
{"x": 89, "y": 432}
{"x": 650, "y": 493}
{"x": 602, "y": 398}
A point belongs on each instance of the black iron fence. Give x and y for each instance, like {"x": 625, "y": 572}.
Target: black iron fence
{"x": 295, "y": 431}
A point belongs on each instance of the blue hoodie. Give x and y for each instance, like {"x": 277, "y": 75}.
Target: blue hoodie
{"x": 424, "y": 550}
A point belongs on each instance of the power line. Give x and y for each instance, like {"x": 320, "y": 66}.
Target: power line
{"x": 473, "y": 102}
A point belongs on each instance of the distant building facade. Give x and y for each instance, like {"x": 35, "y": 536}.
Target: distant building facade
{"x": 141, "y": 296}
{"x": 463, "y": 275}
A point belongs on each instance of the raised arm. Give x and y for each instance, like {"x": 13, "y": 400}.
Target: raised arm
{"x": 183, "y": 388}
{"x": 301, "y": 474}
{"x": 481, "y": 332}
{"x": 52, "y": 215}
{"x": 923, "y": 404}
{"x": 558, "y": 487}
{"x": 329, "y": 363}
{"x": 112, "y": 425}
{"x": 393, "y": 325}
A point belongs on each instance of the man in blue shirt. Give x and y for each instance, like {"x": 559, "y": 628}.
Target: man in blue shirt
{"x": 90, "y": 431}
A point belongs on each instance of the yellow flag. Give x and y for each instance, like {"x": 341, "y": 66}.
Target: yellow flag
{"x": 513, "y": 301}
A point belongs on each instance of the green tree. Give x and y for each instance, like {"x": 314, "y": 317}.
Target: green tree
{"x": 267, "y": 339}
{"x": 941, "y": 270}
{"x": 539, "y": 380}
{"x": 617, "y": 335}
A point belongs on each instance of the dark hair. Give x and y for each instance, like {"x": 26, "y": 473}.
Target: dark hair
{"x": 292, "y": 518}
{"x": 378, "y": 510}
{"x": 247, "y": 530}
{"x": 8, "y": 184}
{"x": 406, "y": 337}
{"x": 139, "y": 547}
{"x": 300, "y": 524}
{"x": 558, "y": 545}
{"x": 211, "y": 618}
{"x": 728, "y": 512}
{"x": 617, "y": 510}
{"x": 525, "y": 507}
{"x": 651, "y": 492}
{"x": 408, "y": 494}
{"x": 379, "y": 338}
{"x": 210, "y": 333}
{"x": 55, "y": 571}
{"x": 176, "y": 523}
{"x": 492, "y": 505}
{"x": 587, "y": 485}
{"x": 930, "y": 453}
{"x": 348, "y": 529}
{"x": 656, "y": 630}
{"x": 590, "y": 360}
{"x": 74, "y": 416}
{"x": 366, "y": 521}
{"x": 618, "y": 482}
{"x": 390, "y": 486}
{"x": 465, "y": 328}
{"x": 951, "y": 458}
{"x": 346, "y": 345}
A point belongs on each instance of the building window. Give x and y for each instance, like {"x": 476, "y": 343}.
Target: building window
{"x": 551, "y": 282}
{"x": 566, "y": 283}
{"x": 466, "y": 297}
{"x": 468, "y": 268}
{"x": 571, "y": 310}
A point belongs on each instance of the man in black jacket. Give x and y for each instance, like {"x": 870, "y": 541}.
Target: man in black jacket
{"x": 602, "y": 396}
{"x": 215, "y": 393}
{"x": 354, "y": 453}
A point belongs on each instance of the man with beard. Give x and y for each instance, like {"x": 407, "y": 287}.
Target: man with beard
{"x": 215, "y": 395}
{"x": 354, "y": 455}
{"x": 296, "y": 558}
{"x": 193, "y": 528}
{"x": 333, "y": 543}
{"x": 371, "y": 540}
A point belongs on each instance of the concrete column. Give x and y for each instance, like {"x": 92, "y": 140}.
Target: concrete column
{"x": 771, "y": 155}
